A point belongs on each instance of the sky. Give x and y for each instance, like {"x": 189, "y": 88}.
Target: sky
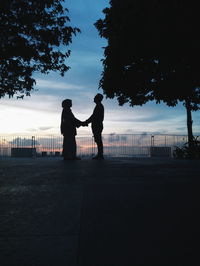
{"x": 40, "y": 113}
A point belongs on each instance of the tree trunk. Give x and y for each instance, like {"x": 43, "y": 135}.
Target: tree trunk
{"x": 189, "y": 123}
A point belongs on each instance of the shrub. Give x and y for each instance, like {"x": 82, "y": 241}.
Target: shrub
{"x": 192, "y": 152}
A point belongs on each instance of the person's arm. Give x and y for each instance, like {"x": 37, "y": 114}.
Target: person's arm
{"x": 78, "y": 123}
{"x": 97, "y": 116}
{"x": 91, "y": 118}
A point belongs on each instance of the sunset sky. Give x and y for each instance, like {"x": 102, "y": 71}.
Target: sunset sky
{"x": 40, "y": 113}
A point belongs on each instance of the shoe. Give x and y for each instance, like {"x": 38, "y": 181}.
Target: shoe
{"x": 67, "y": 159}
{"x": 98, "y": 157}
{"x": 77, "y": 158}
{"x": 71, "y": 159}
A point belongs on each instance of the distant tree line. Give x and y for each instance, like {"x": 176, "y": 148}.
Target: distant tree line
{"x": 152, "y": 53}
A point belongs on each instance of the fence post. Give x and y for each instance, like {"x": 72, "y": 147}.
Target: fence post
{"x": 33, "y": 145}
{"x": 152, "y": 141}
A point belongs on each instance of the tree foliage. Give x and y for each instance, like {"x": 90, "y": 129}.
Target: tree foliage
{"x": 34, "y": 36}
{"x": 152, "y": 52}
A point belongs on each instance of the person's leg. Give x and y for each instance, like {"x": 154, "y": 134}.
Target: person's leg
{"x": 100, "y": 147}
{"x": 69, "y": 147}
{"x": 64, "y": 151}
{"x": 99, "y": 142}
{"x": 73, "y": 143}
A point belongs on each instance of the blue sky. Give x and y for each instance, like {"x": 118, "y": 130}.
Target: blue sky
{"x": 40, "y": 113}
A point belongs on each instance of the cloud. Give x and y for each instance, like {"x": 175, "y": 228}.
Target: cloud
{"x": 56, "y": 85}
{"x": 116, "y": 138}
{"x": 23, "y": 142}
{"x": 32, "y": 129}
{"x": 144, "y": 134}
{"x": 138, "y": 119}
{"x": 43, "y": 109}
{"x": 181, "y": 128}
{"x": 37, "y": 103}
{"x": 46, "y": 128}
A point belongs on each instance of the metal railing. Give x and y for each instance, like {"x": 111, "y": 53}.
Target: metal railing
{"x": 115, "y": 145}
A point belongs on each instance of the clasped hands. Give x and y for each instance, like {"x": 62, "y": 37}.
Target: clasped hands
{"x": 84, "y": 124}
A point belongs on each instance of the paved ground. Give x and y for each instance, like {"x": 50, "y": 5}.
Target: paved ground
{"x": 113, "y": 212}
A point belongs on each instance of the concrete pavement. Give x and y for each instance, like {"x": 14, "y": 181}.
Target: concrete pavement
{"x": 112, "y": 212}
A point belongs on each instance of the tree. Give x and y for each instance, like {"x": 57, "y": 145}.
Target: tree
{"x": 34, "y": 36}
{"x": 152, "y": 53}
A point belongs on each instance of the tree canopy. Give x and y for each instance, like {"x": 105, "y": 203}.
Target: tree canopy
{"x": 152, "y": 53}
{"x": 34, "y": 38}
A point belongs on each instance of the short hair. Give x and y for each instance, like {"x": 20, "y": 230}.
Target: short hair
{"x": 66, "y": 103}
{"x": 99, "y": 96}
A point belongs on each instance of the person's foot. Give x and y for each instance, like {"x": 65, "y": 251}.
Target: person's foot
{"x": 98, "y": 157}
{"x": 77, "y": 158}
{"x": 67, "y": 159}
{"x": 71, "y": 158}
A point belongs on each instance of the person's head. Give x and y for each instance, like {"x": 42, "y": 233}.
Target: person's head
{"x": 67, "y": 103}
{"x": 98, "y": 98}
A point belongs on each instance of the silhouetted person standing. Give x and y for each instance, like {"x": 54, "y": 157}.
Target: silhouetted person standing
{"x": 96, "y": 120}
{"x": 68, "y": 129}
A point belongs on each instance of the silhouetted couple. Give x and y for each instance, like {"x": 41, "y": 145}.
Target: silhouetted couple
{"x": 69, "y": 123}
